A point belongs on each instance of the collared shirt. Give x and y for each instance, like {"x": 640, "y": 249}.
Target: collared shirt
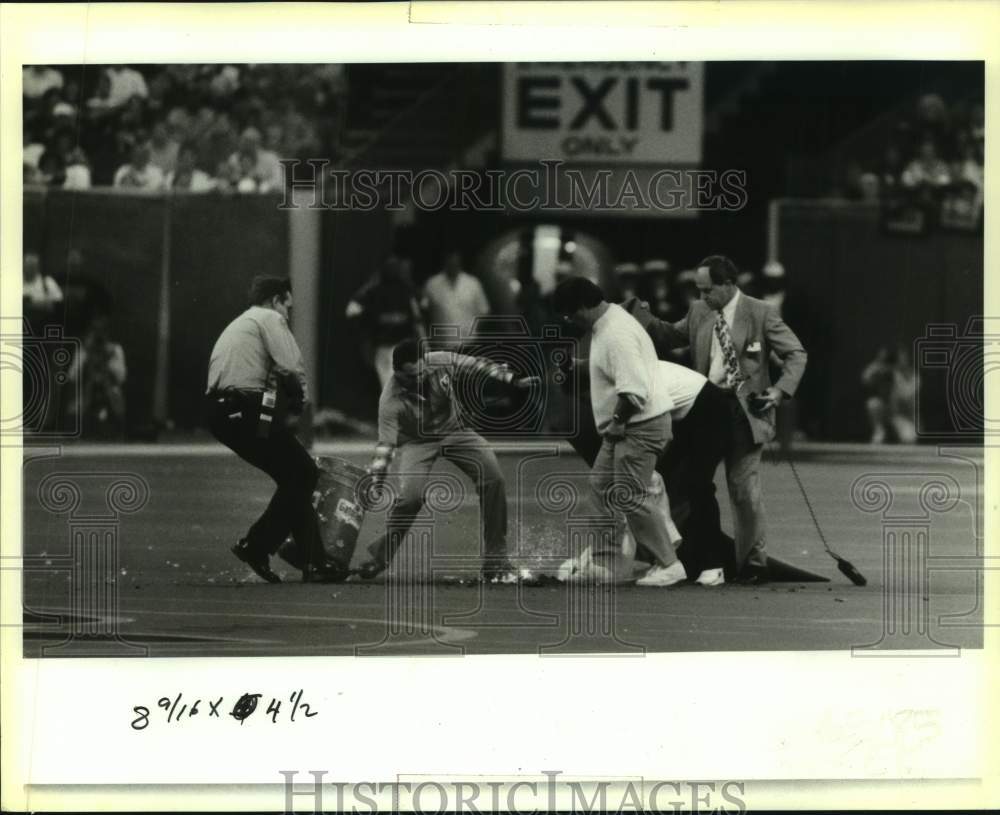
{"x": 683, "y": 384}
{"x": 717, "y": 367}
{"x": 431, "y": 411}
{"x": 251, "y": 351}
{"x": 623, "y": 363}
{"x": 455, "y": 304}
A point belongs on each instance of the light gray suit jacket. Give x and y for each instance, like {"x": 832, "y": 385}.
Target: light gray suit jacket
{"x": 758, "y": 334}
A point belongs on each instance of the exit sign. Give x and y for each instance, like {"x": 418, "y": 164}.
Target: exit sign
{"x": 604, "y": 112}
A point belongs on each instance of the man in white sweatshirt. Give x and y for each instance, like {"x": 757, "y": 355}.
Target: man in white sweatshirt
{"x": 631, "y": 408}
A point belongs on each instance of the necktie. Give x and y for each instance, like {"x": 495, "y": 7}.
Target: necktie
{"x": 734, "y": 377}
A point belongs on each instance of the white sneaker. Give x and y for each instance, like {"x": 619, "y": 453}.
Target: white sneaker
{"x": 661, "y": 576}
{"x": 711, "y": 577}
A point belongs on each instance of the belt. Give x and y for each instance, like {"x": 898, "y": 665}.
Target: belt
{"x": 222, "y": 394}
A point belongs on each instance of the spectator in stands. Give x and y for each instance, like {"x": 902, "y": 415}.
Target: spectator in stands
{"x": 927, "y": 171}
{"x": 186, "y": 176}
{"x": 977, "y": 123}
{"x": 891, "y": 401}
{"x": 453, "y": 300}
{"x": 63, "y": 115}
{"x": 100, "y": 103}
{"x": 296, "y": 103}
{"x": 932, "y": 118}
{"x": 139, "y": 173}
{"x": 51, "y": 169}
{"x": 252, "y": 168}
{"x": 162, "y": 148}
{"x": 75, "y": 169}
{"x": 32, "y": 153}
{"x": 99, "y": 368}
{"x": 41, "y": 295}
{"x": 37, "y": 79}
{"x": 125, "y": 84}
{"x": 962, "y": 207}
{"x": 968, "y": 169}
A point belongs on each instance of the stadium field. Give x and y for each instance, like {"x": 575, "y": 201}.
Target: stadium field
{"x": 177, "y": 590}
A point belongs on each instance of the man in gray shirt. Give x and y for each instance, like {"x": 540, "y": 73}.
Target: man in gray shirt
{"x": 255, "y": 373}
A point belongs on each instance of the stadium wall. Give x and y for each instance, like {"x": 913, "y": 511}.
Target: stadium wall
{"x": 173, "y": 271}
{"x": 853, "y": 287}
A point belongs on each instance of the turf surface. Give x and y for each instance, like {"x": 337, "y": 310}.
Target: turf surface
{"x": 176, "y": 590}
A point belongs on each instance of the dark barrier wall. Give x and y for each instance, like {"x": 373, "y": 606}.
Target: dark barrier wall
{"x": 120, "y": 242}
{"x": 215, "y": 247}
{"x": 853, "y": 288}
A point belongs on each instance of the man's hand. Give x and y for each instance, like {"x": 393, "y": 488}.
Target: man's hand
{"x": 773, "y": 397}
{"x": 526, "y": 382}
{"x": 615, "y": 430}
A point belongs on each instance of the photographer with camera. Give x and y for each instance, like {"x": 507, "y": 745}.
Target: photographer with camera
{"x": 256, "y": 386}
{"x": 99, "y": 368}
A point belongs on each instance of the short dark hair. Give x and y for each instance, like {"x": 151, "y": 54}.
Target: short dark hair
{"x": 720, "y": 269}
{"x": 264, "y": 287}
{"x": 575, "y": 293}
{"x": 404, "y": 353}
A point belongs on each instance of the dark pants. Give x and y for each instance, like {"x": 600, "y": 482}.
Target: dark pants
{"x": 701, "y": 440}
{"x": 282, "y": 457}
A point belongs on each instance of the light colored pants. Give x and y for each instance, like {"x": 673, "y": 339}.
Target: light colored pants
{"x": 745, "y": 495}
{"x": 472, "y": 454}
{"x": 620, "y": 479}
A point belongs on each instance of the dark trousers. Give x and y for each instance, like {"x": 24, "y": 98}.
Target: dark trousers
{"x": 701, "y": 440}
{"x": 287, "y": 462}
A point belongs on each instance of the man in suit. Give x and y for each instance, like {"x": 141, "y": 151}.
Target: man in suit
{"x": 733, "y": 338}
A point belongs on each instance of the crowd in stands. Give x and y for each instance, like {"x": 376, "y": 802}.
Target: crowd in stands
{"x": 198, "y": 128}
{"x": 931, "y": 169}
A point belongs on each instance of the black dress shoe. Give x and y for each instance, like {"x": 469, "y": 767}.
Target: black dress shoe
{"x": 289, "y": 553}
{"x": 258, "y": 562}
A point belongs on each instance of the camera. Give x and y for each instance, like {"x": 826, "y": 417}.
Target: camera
{"x": 495, "y": 409}
{"x": 951, "y": 371}
{"x": 48, "y": 389}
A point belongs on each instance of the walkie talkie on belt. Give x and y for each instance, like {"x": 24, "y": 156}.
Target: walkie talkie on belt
{"x": 267, "y": 412}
